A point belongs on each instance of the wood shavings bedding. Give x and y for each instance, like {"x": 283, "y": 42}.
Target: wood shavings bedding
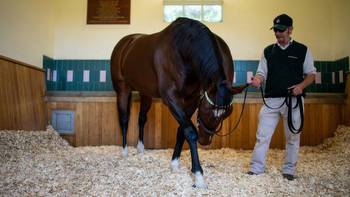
{"x": 40, "y": 163}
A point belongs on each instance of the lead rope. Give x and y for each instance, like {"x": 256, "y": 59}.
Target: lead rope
{"x": 290, "y": 116}
{"x": 239, "y": 119}
{"x": 289, "y": 103}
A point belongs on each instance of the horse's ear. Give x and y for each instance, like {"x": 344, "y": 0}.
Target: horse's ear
{"x": 238, "y": 89}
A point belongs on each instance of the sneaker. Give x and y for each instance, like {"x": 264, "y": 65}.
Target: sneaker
{"x": 289, "y": 177}
{"x": 251, "y": 173}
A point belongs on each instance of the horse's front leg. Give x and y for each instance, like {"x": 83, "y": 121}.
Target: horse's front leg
{"x": 192, "y": 138}
{"x": 180, "y": 139}
{"x": 190, "y": 133}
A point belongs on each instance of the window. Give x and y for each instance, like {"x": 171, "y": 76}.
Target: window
{"x": 202, "y": 10}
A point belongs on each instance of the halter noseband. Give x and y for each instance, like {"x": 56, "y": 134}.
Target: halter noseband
{"x": 215, "y": 105}
{"x": 200, "y": 121}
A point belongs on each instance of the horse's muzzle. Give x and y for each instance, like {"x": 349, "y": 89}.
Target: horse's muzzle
{"x": 204, "y": 139}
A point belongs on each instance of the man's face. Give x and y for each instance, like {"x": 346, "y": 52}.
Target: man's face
{"x": 283, "y": 36}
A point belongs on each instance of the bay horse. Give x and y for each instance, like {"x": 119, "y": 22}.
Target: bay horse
{"x": 188, "y": 67}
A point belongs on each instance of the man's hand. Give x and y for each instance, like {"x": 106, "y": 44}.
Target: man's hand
{"x": 297, "y": 89}
{"x": 256, "y": 81}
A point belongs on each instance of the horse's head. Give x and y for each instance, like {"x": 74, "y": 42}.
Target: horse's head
{"x": 215, "y": 106}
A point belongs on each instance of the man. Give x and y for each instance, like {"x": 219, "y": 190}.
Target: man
{"x": 285, "y": 66}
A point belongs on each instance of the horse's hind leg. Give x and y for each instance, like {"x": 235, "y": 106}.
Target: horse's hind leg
{"x": 123, "y": 104}
{"x": 144, "y": 108}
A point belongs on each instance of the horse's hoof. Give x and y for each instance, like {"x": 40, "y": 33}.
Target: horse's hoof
{"x": 175, "y": 165}
{"x": 140, "y": 147}
{"x": 125, "y": 152}
{"x": 199, "y": 181}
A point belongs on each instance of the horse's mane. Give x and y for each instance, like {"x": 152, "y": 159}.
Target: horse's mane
{"x": 197, "y": 48}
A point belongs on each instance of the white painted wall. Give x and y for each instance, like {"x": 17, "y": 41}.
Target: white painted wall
{"x": 340, "y": 29}
{"x": 27, "y": 30}
{"x": 245, "y": 27}
{"x": 57, "y": 28}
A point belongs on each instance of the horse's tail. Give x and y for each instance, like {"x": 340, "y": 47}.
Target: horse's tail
{"x": 118, "y": 57}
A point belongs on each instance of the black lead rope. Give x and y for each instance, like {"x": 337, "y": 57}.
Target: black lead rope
{"x": 239, "y": 119}
{"x": 289, "y": 103}
{"x": 290, "y": 116}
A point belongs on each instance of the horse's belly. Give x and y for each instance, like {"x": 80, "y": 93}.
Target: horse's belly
{"x": 142, "y": 78}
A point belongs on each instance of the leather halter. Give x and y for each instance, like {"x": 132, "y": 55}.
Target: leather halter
{"x": 216, "y": 107}
{"x": 213, "y": 104}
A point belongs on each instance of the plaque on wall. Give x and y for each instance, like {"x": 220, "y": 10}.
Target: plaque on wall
{"x": 108, "y": 12}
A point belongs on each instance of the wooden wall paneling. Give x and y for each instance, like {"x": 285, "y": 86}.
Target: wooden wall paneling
{"x": 71, "y": 139}
{"x": 2, "y": 97}
{"x": 78, "y": 127}
{"x": 38, "y": 99}
{"x": 22, "y": 86}
{"x": 12, "y": 88}
{"x": 170, "y": 126}
{"x": 224, "y": 140}
{"x": 5, "y": 84}
{"x": 149, "y": 132}
{"x": 254, "y": 111}
{"x": 327, "y": 112}
{"x": 166, "y": 126}
{"x": 334, "y": 113}
{"x": 97, "y": 124}
{"x": 235, "y": 139}
{"x": 133, "y": 131}
{"x": 13, "y": 98}
{"x": 37, "y": 95}
{"x": 346, "y": 112}
{"x": 315, "y": 132}
{"x": 307, "y": 125}
{"x": 109, "y": 124}
{"x": 118, "y": 131}
{"x": 215, "y": 144}
{"x": 22, "y": 96}
{"x": 151, "y": 135}
{"x": 85, "y": 127}
{"x": 93, "y": 117}
{"x": 311, "y": 129}
{"x": 159, "y": 143}
{"x": 335, "y": 117}
{"x": 248, "y": 135}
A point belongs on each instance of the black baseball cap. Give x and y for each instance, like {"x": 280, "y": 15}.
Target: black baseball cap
{"x": 282, "y": 22}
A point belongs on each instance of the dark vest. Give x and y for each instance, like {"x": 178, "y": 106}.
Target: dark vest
{"x": 284, "y": 68}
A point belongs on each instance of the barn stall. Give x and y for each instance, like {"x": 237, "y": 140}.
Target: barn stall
{"x": 58, "y": 130}
{"x": 45, "y": 162}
